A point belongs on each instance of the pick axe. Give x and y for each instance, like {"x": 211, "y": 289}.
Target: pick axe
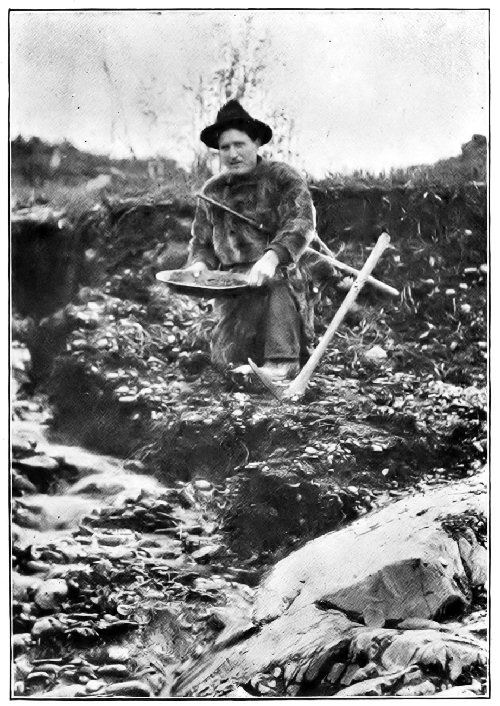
{"x": 297, "y": 387}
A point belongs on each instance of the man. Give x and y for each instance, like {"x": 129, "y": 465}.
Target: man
{"x": 273, "y": 323}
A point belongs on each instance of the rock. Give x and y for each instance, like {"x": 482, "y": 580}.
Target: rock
{"x": 58, "y": 571}
{"x": 296, "y": 638}
{"x": 44, "y": 627}
{"x": 118, "y": 671}
{"x": 53, "y": 512}
{"x": 39, "y": 462}
{"x": 475, "y": 558}
{"x": 194, "y": 530}
{"x": 116, "y": 553}
{"x": 364, "y": 646}
{"x": 20, "y": 358}
{"x": 413, "y": 676}
{"x": 128, "y": 399}
{"x": 399, "y": 558}
{"x": 38, "y": 680}
{"x": 240, "y": 693}
{"x": 456, "y": 692}
{"x": 66, "y": 691}
{"x": 479, "y": 627}
{"x": 419, "y": 624}
{"x": 399, "y": 569}
{"x": 118, "y": 653}
{"x": 354, "y": 673}
{"x": 424, "y": 688}
{"x": 23, "y": 585}
{"x": 116, "y": 539}
{"x": 128, "y": 688}
{"x": 22, "y": 667}
{"x": 429, "y": 647}
{"x": 21, "y": 484}
{"x": 336, "y": 671}
{"x": 21, "y": 642}
{"x": 51, "y": 593}
{"x": 34, "y": 431}
{"x": 19, "y": 688}
{"x": 370, "y": 687}
{"x": 208, "y": 552}
{"x": 21, "y": 445}
{"x": 316, "y": 665}
{"x": 375, "y": 354}
{"x": 83, "y": 461}
{"x": 94, "y": 685}
{"x": 38, "y": 567}
{"x": 116, "y": 486}
{"x": 373, "y": 616}
{"x": 201, "y": 484}
{"x": 264, "y": 689}
{"x": 134, "y": 465}
{"x": 116, "y": 627}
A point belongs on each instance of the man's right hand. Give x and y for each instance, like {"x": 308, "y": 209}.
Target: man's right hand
{"x": 197, "y": 268}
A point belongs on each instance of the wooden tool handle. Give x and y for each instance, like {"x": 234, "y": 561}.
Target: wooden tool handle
{"x": 298, "y": 386}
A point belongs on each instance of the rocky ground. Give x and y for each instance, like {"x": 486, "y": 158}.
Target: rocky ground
{"x": 116, "y": 576}
{"x": 122, "y": 573}
{"x": 156, "y": 506}
{"x": 366, "y": 610}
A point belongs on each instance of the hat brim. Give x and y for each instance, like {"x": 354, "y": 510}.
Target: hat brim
{"x": 254, "y": 128}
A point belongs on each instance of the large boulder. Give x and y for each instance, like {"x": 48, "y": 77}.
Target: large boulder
{"x": 399, "y": 562}
{"x": 344, "y": 598}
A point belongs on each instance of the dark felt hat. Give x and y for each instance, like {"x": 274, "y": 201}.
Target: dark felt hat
{"x": 232, "y": 115}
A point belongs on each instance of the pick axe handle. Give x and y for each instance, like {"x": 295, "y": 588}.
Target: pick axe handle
{"x": 298, "y": 386}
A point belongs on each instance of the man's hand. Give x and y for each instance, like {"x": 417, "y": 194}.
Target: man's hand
{"x": 197, "y": 268}
{"x": 263, "y": 269}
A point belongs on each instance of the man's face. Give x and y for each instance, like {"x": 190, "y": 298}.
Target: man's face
{"x": 238, "y": 152}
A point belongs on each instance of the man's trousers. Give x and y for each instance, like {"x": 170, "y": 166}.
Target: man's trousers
{"x": 264, "y": 324}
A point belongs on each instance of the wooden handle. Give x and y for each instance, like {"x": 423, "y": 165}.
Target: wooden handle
{"x": 298, "y": 386}
{"x": 381, "y": 286}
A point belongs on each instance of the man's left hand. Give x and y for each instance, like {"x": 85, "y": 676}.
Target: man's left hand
{"x": 263, "y": 269}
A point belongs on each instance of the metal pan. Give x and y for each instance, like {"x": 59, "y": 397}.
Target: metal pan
{"x": 214, "y": 283}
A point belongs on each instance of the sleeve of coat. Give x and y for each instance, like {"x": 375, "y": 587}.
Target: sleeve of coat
{"x": 297, "y": 217}
{"x": 201, "y": 247}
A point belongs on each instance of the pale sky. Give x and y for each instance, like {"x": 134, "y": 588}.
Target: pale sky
{"x": 367, "y": 88}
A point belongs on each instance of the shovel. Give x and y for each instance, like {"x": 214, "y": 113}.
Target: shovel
{"x": 297, "y": 387}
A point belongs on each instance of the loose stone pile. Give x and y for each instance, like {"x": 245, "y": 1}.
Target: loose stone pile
{"x": 84, "y": 602}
